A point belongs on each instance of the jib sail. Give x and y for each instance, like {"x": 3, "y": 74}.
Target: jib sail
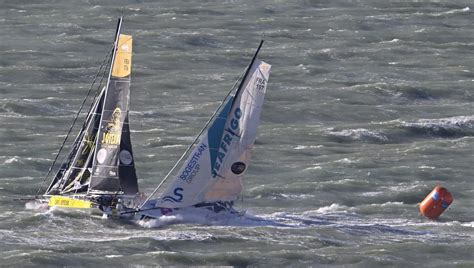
{"x": 75, "y": 171}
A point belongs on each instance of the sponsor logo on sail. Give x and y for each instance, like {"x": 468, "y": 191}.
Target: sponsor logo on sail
{"x": 192, "y": 168}
{"x": 178, "y": 196}
{"x": 238, "y": 167}
{"x": 101, "y": 155}
{"x": 125, "y": 157}
{"x": 231, "y": 132}
{"x": 112, "y": 133}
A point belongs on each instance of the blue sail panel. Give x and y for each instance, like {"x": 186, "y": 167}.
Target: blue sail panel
{"x": 216, "y": 130}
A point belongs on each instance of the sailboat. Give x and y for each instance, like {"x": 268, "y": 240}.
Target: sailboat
{"x": 211, "y": 175}
{"x": 99, "y": 169}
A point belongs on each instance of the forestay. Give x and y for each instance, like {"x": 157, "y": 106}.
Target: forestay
{"x": 214, "y": 169}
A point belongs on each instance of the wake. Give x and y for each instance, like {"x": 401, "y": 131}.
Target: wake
{"x": 346, "y": 222}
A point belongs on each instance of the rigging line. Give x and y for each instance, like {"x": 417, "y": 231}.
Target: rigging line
{"x": 72, "y": 125}
{"x": 101, "y": 77}
{"x": 190, "y": 146}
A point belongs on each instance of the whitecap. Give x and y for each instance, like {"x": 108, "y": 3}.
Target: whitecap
{"x": 448, "y": 125}
{"x": 36, "y": 205}
{"x": 113, "y": 256}
{"x": 160, "y": 221}
{"x": 206, "y": 217}
{"x": 395, "y": 40}
{"x": 316, "y": 167}
{"x": 297, "y": 196}
{"x": 426, "y": 167}
{"x": 147, "y": 130}
{"x": 453, "y": 11}
{"x": 14, "y": 159}
{"x": 301, "y": 147}
{"x": 391, "y": 204}
{"x": 468, "y": 224}
{"x": 359, "y": 134}
{"x": 371, "y": 194}
{"x": 332, "y": 208}
{"x": 346, "y": 161}
{"x": 173, "y": 146}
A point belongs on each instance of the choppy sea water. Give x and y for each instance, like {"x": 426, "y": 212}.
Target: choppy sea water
{"x": 369, "y": 106}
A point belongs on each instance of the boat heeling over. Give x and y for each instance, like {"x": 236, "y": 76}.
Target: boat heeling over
{"x": 211, "y": 176}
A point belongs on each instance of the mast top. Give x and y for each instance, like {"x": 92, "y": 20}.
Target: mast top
{"x": 248, "y": 70}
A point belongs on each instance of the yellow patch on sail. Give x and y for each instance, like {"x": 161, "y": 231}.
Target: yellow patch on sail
{"x": 123, "y": 57}
{"x": 67, "y": 202}
{"x": 110, "y": 138}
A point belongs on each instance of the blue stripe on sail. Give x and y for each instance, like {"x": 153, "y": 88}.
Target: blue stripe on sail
{"x": 215, "y": 131}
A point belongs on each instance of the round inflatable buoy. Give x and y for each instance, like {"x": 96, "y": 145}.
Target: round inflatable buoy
{"x": 436, "y": 202}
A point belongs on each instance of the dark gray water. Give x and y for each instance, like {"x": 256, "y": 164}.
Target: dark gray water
{"x": 369, "y": 106}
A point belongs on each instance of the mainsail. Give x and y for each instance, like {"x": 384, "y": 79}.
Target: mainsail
{"x": 214, "y": 169}
{"x": 113, "y": 154}
{"x": 101, "y": 159}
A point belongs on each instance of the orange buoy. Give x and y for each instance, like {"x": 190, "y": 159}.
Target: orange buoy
{"x": 436, "y": 202}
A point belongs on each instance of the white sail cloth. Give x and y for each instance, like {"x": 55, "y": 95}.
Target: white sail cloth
{"x": 214, "y": 169}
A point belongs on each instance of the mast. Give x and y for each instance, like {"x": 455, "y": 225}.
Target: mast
{"x": 247, "y": 71}
{"x": 113, "y": 169}
{"x": 117, "y": 35}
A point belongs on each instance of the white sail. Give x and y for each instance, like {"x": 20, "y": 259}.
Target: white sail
{"x": 213, "y": 171}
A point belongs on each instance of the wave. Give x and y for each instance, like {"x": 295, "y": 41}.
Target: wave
{"x": 151, "y": 130}
{"x": 301, "y": 147}
{"x": 449, "y": 12}
{"x": 335, "y": 215}
{"x": 359, "y": 134}
{"x": 468, "y": 224}
{"x": 205, "y": 217}
{"x": 34, "y": 108}
{"x": 329, "y": 209}
{"x": 395, "y": 40}
{"x": 23, "y": 160}
{"x": 38, "y": 206}
{"x": 443, "y": 127}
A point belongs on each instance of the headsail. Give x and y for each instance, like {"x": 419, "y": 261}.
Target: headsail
{"x": 214, "y": 169}
{"x": 74, "y": 173}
